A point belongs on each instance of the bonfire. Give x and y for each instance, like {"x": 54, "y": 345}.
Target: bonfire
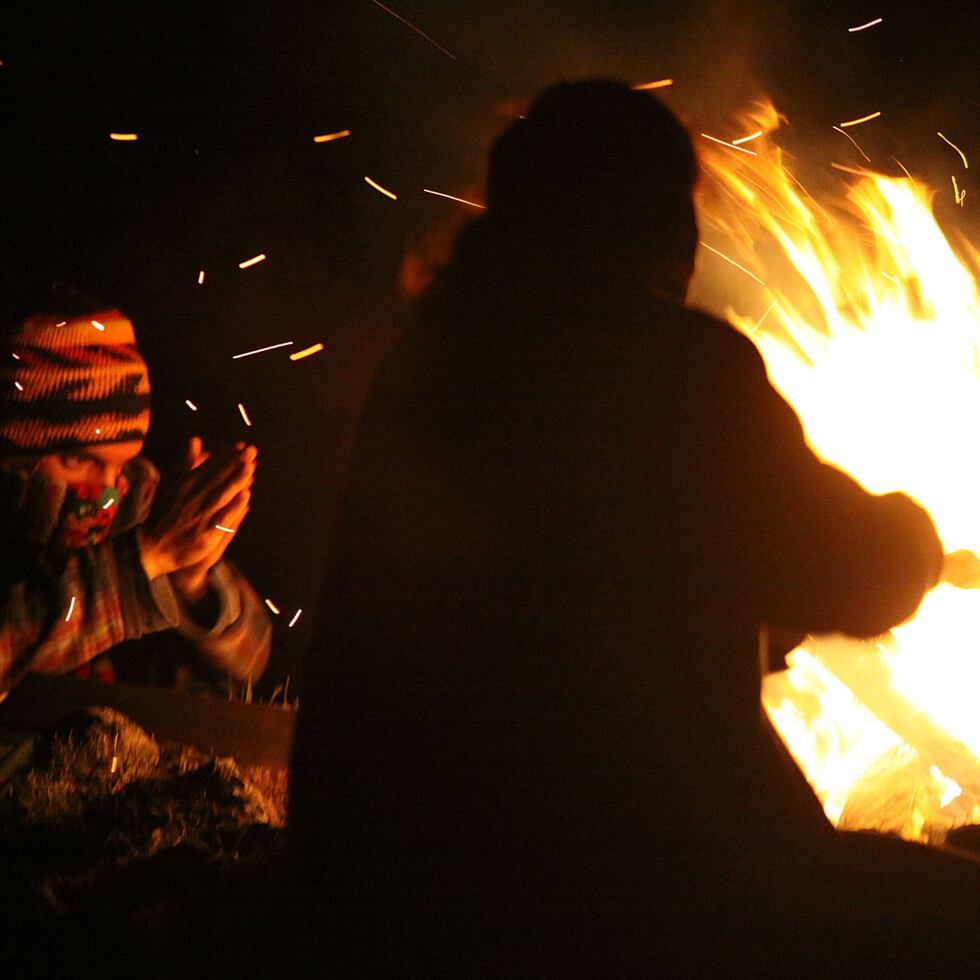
{"x": 868, "y": 318}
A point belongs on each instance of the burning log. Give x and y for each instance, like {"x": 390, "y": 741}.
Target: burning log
{"x": 864, "y": 669}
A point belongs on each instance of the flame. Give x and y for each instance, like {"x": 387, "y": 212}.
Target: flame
{"x": 870, "y": 330}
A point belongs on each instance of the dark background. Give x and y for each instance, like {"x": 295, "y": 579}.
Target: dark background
{"x": 226, "y": 99}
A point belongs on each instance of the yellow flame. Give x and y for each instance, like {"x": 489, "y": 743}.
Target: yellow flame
{"x": 872, "y": 331}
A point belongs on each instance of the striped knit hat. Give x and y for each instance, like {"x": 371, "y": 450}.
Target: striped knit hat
{"x": 66, "y": 383}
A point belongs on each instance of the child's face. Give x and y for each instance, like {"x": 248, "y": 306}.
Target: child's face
{"x": 89, "y": 464}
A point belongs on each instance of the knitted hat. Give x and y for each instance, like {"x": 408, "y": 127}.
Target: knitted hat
{"x": 73, "y": 382}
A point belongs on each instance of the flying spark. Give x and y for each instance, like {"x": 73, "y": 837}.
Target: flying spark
{"x": 97, "y": 325}
{"x": 71, "y": 609}
{"x": 227, "y": 530}
{"x": 462, "y": 200}
{"x": 647, "y": 86}
{"x": 190, "y": 405}
{"x": 741, "y": 149}
{"x": 378, "y": 187}
{"x": 330, "y": 137}
{"x": 123, "y": 137}
{"x": 115, "y": 764}
{"x": 892, "y": 278}
{"x": 769, "y": 310}
{"x": 960, "y": 195}
{"x": 200, "y": 278}
{"x": 414, "y": 28}
{"x": 863, "y": 119}
{"x": 745, "y": 139}
{"x": 966, "y": 166}
{"x": 852, "y": 170}
{"x": 61, "y": 324}
{"x": 272, "y": 606}
{"x": 108, "y": 503}
{"x": 864, "y": 27}
{"x": 16, "y": 357}
{"x": 306, "y": 352}
{"x": 252, "y": 261}
{"x": 292, "y": 622}
{"x": 851, "y": 138}
{"x": 733, "y": 262}
{"x": 241, "y": 408}
{"x": 261, "y": 350}
{"x": 18, "y": 386}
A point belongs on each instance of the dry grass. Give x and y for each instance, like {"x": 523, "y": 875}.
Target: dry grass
{"x": 105, "y": 802}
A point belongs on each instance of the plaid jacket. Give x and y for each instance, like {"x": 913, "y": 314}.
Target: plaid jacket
{"x": 54, "y": 622}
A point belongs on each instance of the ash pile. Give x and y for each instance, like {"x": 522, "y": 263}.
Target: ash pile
{"x": 136, "y": 847}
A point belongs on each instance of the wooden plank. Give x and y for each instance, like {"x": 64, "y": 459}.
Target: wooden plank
{"x": 252, "y": 734}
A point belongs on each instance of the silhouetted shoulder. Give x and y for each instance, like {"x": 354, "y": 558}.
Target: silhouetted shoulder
{"x": 720, "y": 340}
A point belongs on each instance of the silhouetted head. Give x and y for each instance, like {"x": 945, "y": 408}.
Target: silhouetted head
{"x": 601, "y": 170}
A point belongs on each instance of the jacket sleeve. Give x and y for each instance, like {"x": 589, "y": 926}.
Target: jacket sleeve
{"x": 801, "y": 543}
{"x": 238, "y": 644}
{"x": 52, "y": 622}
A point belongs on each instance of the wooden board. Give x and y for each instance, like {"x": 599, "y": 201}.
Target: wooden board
{"x": 252, "y": 734}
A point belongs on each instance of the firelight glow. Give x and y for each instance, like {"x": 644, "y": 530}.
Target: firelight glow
{"x": 873, "y": 335}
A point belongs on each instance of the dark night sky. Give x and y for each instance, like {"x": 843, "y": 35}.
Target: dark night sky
{"x": 226, "y": 99}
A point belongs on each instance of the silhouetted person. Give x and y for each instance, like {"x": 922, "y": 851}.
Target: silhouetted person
{"x": 531, "y": 737}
